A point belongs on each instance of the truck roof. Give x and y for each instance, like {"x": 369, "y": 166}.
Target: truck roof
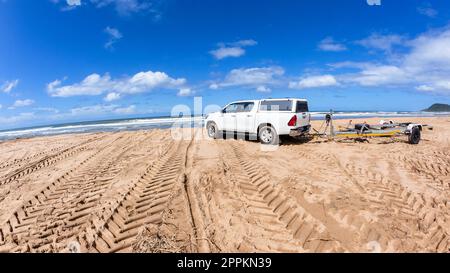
{"x": 284, "y": 99}
{"x": 269, "y": 99}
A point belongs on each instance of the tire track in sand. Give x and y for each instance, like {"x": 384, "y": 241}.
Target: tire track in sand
{"x": 142, "y": 204}
{"x": 278, "y": 213}
{"x": 47, "y": 160}
{"x": 411, "y": 215}
{"x": 24, "y": 160}
{"x": 367, "y": 231}
{"x": 18, "y": 162}
{"x": 414, "y": 214}
{"x": 434, "y": 167}
{"x": 53, "y": 214}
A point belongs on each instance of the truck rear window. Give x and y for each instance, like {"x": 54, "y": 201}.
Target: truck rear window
{"x": 276, "y": 105}
{"x": 302, "y": 106}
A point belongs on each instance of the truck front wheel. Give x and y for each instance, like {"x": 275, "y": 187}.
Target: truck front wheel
{"x": 212, "y": 130}
{"x": 268, "y": 135}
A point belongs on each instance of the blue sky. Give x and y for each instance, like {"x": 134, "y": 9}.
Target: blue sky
{"x": 75, "y": 60}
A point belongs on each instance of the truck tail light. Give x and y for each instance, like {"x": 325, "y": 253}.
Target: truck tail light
{"x": 293, "y": 121}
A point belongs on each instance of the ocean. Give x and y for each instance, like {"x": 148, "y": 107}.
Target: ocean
{"x": 168, "y": 122}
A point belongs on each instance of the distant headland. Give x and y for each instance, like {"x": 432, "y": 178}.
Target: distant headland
{"x": 438, "y": 107}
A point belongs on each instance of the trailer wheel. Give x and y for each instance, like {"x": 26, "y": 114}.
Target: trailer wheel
{"x": 414, "y": 137}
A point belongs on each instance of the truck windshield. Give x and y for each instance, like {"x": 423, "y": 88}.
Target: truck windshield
{"x": 232, "y": 108}
{"x": 302, "y": 106}
{"x": 276, "y": 105}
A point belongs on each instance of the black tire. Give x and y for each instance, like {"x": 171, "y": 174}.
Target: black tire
{"x": 414, "y": 137}
{"x": 268, "y": 136}
{"x": 212, "y": 130}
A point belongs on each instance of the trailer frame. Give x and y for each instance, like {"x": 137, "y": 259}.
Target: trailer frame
{"x": 365, "y": 131}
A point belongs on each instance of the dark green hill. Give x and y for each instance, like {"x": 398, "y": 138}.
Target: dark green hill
{"x": 438, "y": 107}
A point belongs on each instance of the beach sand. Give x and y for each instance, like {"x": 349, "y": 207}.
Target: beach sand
{"x": 145, "y": 191}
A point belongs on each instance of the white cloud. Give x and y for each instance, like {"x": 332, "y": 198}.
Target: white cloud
{"x": 428, "y": 63}
{"x": 252, "y": 77}
{"x": 92, "y": 110}
{"x": 430, "y": 53}
{"x": 214, "y": 86}
{"x": 427, "y": 10}
{"x": 114, "y": 35}
{"x": 150, "y": 80}
{"x": 436, "y": 86}
{"x": 22, "y": 103}
{"x": 350, "y": 64}
{"x": 123, "y": 7}
{"x": 8, "y": 86}
{"x": 127, "y": 7}
{"x": 328, "y": 44}
{"x": 263, "y": 89}
{"x": 425, "y": 87}
{"x": 53, "y": 84}
{"x": 226, "y": 52}
{"x": 314, "y": 82}
{"x": 17, "y": 118}
{"x": 373, "y": 2}
{"x": 381, "y": 75}
{"x": 68, "y": 4}
{"x": 235, "y": 49}
{"x": 126, "y": 110}
{"x": 1, "y": 106}
{"x": 113, "y": 32}
{"x": 245, "y": 43}
{"x": 382, "y": 42}
{"x": 47, "y": 109}
{"x": 423, "y": 64}
{"x": 185, "y": 92}
{"x": 112, "y": 96}
{"x": 73, "y": 2}
{"x": 99, "y": 109}
{"x": 442, "y": 85}
{"x": 95, "y": 84}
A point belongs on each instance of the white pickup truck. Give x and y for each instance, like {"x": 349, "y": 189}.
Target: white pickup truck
{"x": 265, "y": 120}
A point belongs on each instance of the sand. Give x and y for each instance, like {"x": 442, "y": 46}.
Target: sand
{"x": 145, "y": 191}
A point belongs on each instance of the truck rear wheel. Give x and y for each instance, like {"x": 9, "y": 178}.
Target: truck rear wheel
{"x": 268, "y": 135}
{"x": 414, "y": 137}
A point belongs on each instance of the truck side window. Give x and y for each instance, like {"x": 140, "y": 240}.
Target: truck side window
{"x": 302, "y": 107}
{"x": 240, "y": 107}
{"x": 276, "y": 105}
{"x": 248, "y": 106}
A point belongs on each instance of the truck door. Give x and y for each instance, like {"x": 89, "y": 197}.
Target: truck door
{"x": 245, "y": 117}
{"x": 229, "y": 117}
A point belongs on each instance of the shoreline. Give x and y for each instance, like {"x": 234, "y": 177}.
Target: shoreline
{"x": 166, "y": 123}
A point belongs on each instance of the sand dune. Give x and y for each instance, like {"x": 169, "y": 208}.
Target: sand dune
{"x": 147, "y": 192}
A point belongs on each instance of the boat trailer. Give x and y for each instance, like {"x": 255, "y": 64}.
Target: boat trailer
{"x": 363, "y": 131}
